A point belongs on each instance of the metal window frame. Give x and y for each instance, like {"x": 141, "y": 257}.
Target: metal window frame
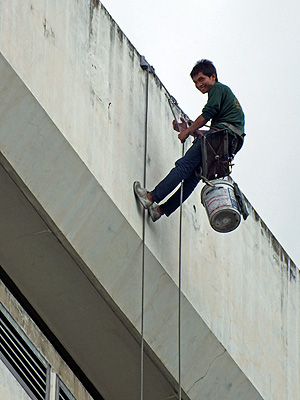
{"x": 34, "y": 350}
{"x": 61, "y": 386}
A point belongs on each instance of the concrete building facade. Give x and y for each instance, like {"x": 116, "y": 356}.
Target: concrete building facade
{"x": 24, "y": 345}
{"x": 77, "y": 114}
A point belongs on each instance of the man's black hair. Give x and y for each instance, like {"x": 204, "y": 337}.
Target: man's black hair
{"x": 206, "y": 67}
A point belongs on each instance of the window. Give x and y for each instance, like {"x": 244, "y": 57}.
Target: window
{"x": 22, "y": 358}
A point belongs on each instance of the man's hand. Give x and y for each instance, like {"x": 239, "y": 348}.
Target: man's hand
{"x": 183, "y": 135}
{"x": 193, "y": 129}
{"x": 179, "y": 126}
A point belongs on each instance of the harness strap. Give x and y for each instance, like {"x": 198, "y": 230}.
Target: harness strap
{"x": 234, "y": 129}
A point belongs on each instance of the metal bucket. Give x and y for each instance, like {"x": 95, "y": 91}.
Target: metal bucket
{"x": 221, "y": 206}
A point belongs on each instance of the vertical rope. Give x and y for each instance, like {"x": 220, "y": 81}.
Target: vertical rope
{"x": 143, "y": 242}
{"x": 179, "y": 263}
{"x": 180, "y": 285}
{"x": 149, "y": 70}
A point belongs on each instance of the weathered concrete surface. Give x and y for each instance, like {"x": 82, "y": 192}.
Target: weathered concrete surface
{"x": 80, "y": 267}
{"x": 85, "y": 73}
{"x": 10, "y": 389}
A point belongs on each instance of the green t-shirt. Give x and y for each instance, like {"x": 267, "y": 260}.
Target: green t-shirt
{"x": 223, "y": 106}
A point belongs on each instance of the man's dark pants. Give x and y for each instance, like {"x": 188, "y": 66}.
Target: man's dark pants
{"x": 184, "y": 170}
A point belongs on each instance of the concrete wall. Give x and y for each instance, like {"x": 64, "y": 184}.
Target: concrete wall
{"x": 10, "y": 388}
{"x": 81, "y": 268}
{"x": 85, "y": 73}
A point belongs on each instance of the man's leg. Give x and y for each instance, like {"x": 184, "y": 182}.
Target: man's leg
{"x": 184, "y": 168}
{"x": 189, "y": 185}
{"x": 173, "y": 202}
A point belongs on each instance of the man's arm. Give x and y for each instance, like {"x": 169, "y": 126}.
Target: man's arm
{"x": 191, "y": 130}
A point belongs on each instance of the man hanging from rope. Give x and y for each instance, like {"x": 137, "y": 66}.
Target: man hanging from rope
{"x": 225, "y": 112}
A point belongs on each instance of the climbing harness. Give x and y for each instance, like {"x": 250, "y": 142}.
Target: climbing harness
{"x": 234, "y": 129}
{"x": 216, "y": 157}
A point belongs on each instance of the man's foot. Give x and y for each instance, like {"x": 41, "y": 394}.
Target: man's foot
{"x": 141, "y": 194}
{"x": 154, "y": 212}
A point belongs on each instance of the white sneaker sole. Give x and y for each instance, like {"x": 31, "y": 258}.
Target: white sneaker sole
{"x": 141, "y": 195}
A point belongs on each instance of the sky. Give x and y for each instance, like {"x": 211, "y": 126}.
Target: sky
{"x": 255, "y": 48}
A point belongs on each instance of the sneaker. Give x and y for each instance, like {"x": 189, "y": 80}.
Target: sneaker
{"x": 141, "y": 194}
{"x": 153, "y": 211}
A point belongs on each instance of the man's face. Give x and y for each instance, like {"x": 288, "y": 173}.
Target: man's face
{"x": 203, "y": 82}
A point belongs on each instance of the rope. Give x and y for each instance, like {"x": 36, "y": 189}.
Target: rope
{"x": 143, "y": 243}
{"x": 179, "y": 286}
{"x": 150, "y": 69}
{"x": 171, "y": 102}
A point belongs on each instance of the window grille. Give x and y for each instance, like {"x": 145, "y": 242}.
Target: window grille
{"x": 22, "y": 358}
{"x": 62, "y": 393}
